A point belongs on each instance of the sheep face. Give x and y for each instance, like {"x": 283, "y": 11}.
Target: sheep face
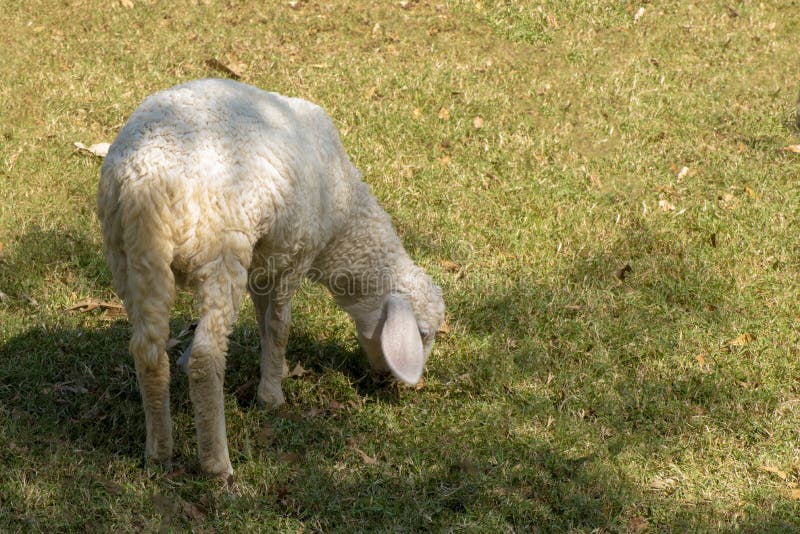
{"x": 397, "y": 330}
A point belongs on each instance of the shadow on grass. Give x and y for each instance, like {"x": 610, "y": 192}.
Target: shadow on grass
{"x": 602, "y": 342}
{"x": 73, "y": 392}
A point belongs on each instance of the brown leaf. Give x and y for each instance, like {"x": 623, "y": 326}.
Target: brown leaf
{"x": 701, "y": 359}
{"x": 751, "y": 193}
{"x": 774, "y": 470}
{"x": 297, "y": 372}
{"x": 793, "y": 494}
{"x": 637, "y": 524}
{"x": 666, "y": 205}
{"x": 100, "y": 149}
{"x": 86, "y": 305}
{"x": 367, "y": 459}
{"x": 417, "y": 113}
{"x": 450, "y": 266}
{"x": 290, "y": 457}
{"x": 477, "y": 123}
{"x": 663, "y": 484}
{"x": 792, "y": 148}
{"x": 741, "y": 340}
{"x": 230, "y": 70}
{"x": 552, "y": 21}
{"x": 192, "y": 510}
{"x": 420, "y": 385}
{"x": 111, "y": 487}
{"x": 126, "y": 3}
{"x": 164, "y": 505}
{"x": 623, "y": 271}
{"x": 313, "y": 412}
{"x": 444, "y": 160}
{"x": 444, "y": 328}
{"x": 444, "y": 114}
{"x": 265, "y": 436}
{"x": 594, "y": 179}
{"x": 335, "y": 405}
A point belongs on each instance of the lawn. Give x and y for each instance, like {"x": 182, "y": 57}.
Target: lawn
{"x": 600, "y": 187}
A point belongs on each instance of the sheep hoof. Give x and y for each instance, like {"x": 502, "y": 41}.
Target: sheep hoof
{"x": 218, "y": 469}
{"x": 270, "y": 396}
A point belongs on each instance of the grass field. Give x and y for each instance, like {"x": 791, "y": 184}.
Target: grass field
{"x": 599, "y": 187}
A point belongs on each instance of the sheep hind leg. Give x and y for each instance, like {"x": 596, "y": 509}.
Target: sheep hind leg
{"x": 148, "y": 310}
{"x": 218, "y": 299}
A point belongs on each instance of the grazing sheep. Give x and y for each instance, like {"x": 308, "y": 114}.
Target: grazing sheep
{"x": 225, "y": 188}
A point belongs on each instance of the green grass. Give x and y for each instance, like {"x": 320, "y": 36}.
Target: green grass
{"x": 567, "y": 397}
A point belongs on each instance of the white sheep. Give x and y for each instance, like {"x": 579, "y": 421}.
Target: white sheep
{"x": 225, "y": 188}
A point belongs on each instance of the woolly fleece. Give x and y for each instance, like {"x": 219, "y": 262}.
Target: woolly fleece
{"x": 225, "y": 188}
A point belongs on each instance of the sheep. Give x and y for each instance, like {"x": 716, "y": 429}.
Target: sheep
{"x": 224, "y": 188}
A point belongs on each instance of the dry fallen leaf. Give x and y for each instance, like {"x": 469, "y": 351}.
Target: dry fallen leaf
{"x": 477, "y": 123}
{"x": 637, "y": 524}
{"x": 290, "y": 457}
{"x": 192, "y": 510}
{"x": 662, "y": 484}
{"x": 126, "y": 3}
{"x": 444, "y": 160}
{"x": 99, "y": 149}
{"x": 741, "y": 340}
{"x": 552, "y": 21}
{"x": 623, "y": 271}
{"x": 297, "y": 372}
{"x": 594, "y": 179}
{"x": 666, "y": 205}
{"x": 369, "y": 460}
{"x": 313, "y": 412}
{"x": 774, "y": 470}
{"x": 265, "y": 436}
{"x": 444, "y": 114}
{"x": 701, "y": 359}
{"x": 89, "y": 304}
{"x": 234, "y": 71}
{"x": 417, "y": 113}
{"x": 450, "y": 266}
{"x": 751, "y": 193}
{"x": 792, "y": 148}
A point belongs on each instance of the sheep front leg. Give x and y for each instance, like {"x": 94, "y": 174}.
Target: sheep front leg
{"x": 273, "y": 313}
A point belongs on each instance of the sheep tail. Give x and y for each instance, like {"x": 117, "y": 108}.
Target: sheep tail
{"x": 150, "y": 284}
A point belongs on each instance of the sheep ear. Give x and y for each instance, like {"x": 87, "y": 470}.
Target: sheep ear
{"x": 400, "y": 341}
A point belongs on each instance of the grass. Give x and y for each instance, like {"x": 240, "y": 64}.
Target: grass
{"x": 572, "y": 393}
